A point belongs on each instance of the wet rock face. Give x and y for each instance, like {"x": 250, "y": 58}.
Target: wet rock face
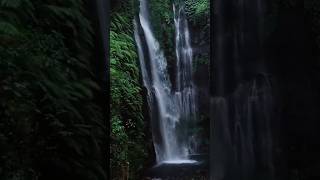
{"x": 200, "y": 42}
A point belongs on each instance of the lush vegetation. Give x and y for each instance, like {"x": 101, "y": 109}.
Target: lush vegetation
{"x": 198, "y": 10}
{"x": 128, "y": 146}
{"x": 128, "y": 124}
{"x": 51, "y": 126}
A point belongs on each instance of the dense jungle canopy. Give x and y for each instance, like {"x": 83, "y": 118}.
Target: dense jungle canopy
{"x": 52, "y": 125}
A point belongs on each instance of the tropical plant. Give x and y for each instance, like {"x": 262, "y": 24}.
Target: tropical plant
{"x": 197, "y": 10}
{"x": 50, "y": 125}
{"x": 127, "y": 138}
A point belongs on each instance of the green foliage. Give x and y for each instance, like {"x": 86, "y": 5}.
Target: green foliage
{"x": 49, "y": 123}
{"x": 161, "y": 13}
{"x": 67, "y": 17}
{"x": 198, "y": 10}
{"x": 128, "y": 144}
{"x": 201, "y": 61}
{"x": 127, "y": 126}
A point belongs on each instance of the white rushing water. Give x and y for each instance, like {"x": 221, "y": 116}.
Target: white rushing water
{"x": 184, "y": 80}
{"x": 170, "y": 108}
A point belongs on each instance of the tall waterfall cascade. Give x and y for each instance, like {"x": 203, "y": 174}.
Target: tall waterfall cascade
{"x": 172, "y": 106}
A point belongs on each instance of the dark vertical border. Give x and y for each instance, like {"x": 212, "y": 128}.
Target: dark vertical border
{"x": 103, "y": 8}
{"x": 211, "y": 88}
{"x": 100, "y": 13}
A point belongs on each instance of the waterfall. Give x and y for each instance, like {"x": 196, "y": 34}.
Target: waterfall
{"x": 242, "y": 139}
{"x": 170, "y": 108}
{"x": 242, "y": 104}
{"x": 184, "y": 81}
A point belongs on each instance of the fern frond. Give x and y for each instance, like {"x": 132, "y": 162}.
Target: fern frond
{"x": 11, "y": 3}
{"x": 196, "y": 9}
{"x": 8, "y": 29}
